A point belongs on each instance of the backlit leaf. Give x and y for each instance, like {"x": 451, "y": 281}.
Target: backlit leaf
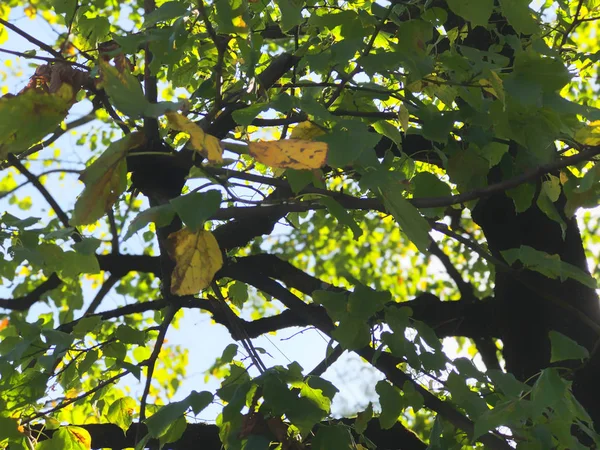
{"x": 290, "y": 153}
{"x": 475, "y": 11}
{"x": 31, "y": 115}
{"x": 105, "y": 180}
{"x": 124, "y": 90}
{"x": 563, "y": 348}
{"x": 196, "y": 208}
{"x": 207, "y": 145}
{"x": 306, "y": 130}
{"x": 198, "y": 258}
{"x": 590, "y": 134}
{"x": 161, "y": 215}
{"x": 391, "y": 404}
{"x": 120, "y": 412}
{"x": 408, "y": 217}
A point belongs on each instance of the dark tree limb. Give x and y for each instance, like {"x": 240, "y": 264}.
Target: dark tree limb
{"x": 102, "y": 292}
{"x": 465, "y": 288}
{"x": 459, "y": 318}
{"x": 23, "y": 303}
{"x": 107, "y": 435}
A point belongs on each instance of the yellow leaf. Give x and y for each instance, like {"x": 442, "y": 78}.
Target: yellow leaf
{"x": 296, "y": 154}
{"x": 590, "y": 134}
{"x": 306, "y": 130}
{"x": 563, "y": 177}
{"x": 105, "y": 180}
{"x": 206, "y": 144}
{"x": 81, "y": 436}
{"x": 31, "y": 115}
{"x": 403, "y": 115}
{"x": 197, "y": 259}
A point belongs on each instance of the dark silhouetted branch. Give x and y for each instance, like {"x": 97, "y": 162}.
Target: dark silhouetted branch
{"x": 23, "y": 303}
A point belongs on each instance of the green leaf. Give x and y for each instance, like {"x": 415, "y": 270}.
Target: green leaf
{"x": 352, "y": 333}
{"x": 335, "y": 437}
{"x": 159, "y": 423}
{"x": 391, "y": 404}
{"x": 277, "y": 395}
{"x": 334, "y": 302}
{"x": 21, "y": 224}
{"x": 549, "y": 389}
{"x": 125, "y": 91}
{"x": 464, "y": 396}
{"x": 166, "y": 11}
{"x": 426, "y": 184}
{"x": 564, "y": 348}
{"x": 522, "y": 196}
{"x": 298, "y": 179}
{"x": 408, "y": 217}
{"x": 196, "y": 208}
{"x": 200, "y": 400}
{"x": 305, "y": 414}
{"x": 550, "y": 266}
{"x": 364, "y": 302}
{"x": 256, "y": 442}
{"x": 519, "y": 15}
{"x": 347, "y": 142}
{"x": 342, "y": 215}
{"x": 86, "y": 325}
{"x": 130, "y": 335}
{"x": 477, "y": 12}
{"x": 245, "y": 116}
{"x": 65, "y": 7}
{"x": 120, "y": 412}
{"x": 501, "y": 414}
{"x": 363, "y": 418}
{"x": 174, "y": 432}
{"x": 238, "y": 293}
{"x": 291, "y": 13}
{"x": 87, "y": 246}
{"x": 9, "y": 428}
{"x": 229, "y": 353}
{"x": 88, "y": 361}
{"x": 161, "y": 215}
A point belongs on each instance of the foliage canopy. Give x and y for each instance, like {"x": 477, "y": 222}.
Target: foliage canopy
{"x": 388, "y": 173}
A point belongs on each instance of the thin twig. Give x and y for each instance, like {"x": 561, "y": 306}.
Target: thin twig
{"x": 327, "y": 362}
{"x": 62, "y": 216}
{"x": 114, "y": 231}
{"x": 465, "y": 288}
{"x": 43, "y": 58}
{"x": 57, "y": 133}
{"x": 102, "y": 292}
{"x": 151, "y": 361}
{"x": 75, "y": 399}
{"x": 239, "y": 329}
{"x": 31, "y": 39}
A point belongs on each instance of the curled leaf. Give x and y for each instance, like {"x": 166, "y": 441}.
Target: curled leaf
{"x": 197, "y": 257}
{"x": 206, "y": 144}
{"x": 296, "y": 154}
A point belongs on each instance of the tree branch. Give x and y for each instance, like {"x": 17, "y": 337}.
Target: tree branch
{"x": 23, "y": 303}
{"x": 31, "y": 39}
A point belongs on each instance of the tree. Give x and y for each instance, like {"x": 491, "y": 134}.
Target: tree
{"x": 425, "y": 161}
